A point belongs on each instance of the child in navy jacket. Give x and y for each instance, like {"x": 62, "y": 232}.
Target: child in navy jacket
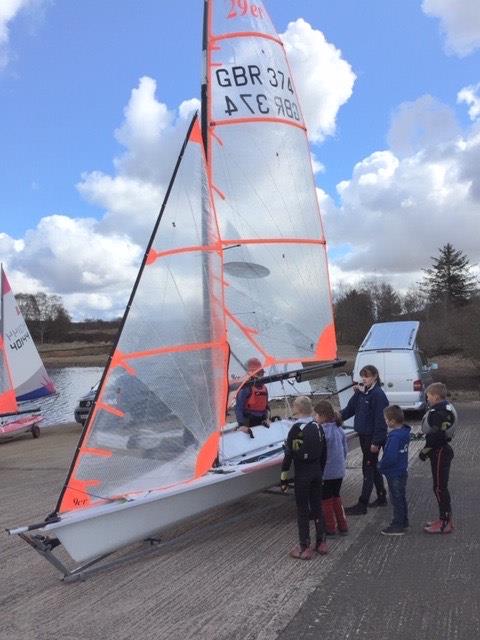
{"x": 367, "y": 405}
{"x": 393, "y": 466}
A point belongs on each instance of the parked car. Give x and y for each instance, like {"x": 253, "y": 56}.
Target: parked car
{"x": 403, "y": 367}
{"x": 85, "y": 404}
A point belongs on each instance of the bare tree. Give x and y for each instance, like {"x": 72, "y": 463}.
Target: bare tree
{"x": 414, "y": 301}
{"x": 45, "y": 315}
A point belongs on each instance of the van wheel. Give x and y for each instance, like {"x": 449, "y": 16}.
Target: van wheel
{"x": 35, "y": 431}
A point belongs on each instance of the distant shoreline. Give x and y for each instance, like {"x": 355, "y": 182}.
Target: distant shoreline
{"x": 75, "y": 354}
{"x": 458, "y": 372}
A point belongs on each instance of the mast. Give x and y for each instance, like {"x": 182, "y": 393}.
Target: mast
{"x": 204, "y": 120}
{"x": 204, "y": 116}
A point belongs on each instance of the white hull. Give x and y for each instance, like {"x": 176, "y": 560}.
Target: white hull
{"x": 89, "y": 534}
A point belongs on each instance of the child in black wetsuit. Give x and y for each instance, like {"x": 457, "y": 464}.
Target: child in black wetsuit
{"x": 306, "y": 446}
{"x": 438, "y": 425}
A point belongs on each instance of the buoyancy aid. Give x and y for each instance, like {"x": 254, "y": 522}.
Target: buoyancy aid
{"x": 258, "y": 399}
{"x": 441, "y": 419}
{"x": 309, "y": 444}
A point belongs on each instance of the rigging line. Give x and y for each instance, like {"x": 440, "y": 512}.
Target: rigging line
{"x": 237, "y": 359}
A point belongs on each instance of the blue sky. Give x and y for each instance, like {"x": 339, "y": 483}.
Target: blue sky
{"x": 69, "y": 69}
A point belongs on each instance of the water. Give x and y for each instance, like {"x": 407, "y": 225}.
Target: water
{"x": 71, "y": 383}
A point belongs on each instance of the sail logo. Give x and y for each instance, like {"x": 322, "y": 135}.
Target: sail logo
{"x": 80, "y": 502}
{"x": 242, "y": 8}
{"x": 254, "y": 91}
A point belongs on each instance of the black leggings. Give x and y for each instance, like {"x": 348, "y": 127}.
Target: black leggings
{"x": 308, "y": 496}
{"x": 331, "y": 488}
{"x": 441, "y": 460}
{"x": 371, "y": 475}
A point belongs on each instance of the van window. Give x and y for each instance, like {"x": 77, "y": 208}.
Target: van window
{"x": 375, "y": 358}
{"x": 400, "y": 363}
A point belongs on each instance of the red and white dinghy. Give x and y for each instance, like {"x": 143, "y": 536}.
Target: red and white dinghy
{"x": 23, "y": 378}
{"x": 235, "y": 269}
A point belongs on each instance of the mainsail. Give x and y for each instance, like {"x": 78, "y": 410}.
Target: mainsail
{"x": 23, "y": 376}
{"x": 277, "y": 292}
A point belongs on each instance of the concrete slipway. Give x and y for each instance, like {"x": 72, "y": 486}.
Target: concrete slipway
{"x": 228, "y": 575}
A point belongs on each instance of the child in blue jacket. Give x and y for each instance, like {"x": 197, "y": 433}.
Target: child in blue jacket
{"x": 393, "y": 466}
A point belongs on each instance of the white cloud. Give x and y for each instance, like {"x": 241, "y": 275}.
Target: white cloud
{"x": 9, "y": 10}
{"x": 421, "y": 124}
{"x": 470, "y": 95}
{"x": 130, "y": 204}
{"x": 323, "y": 79}
{"x": 73, "y": 257}
{"x": 459, "y": 20}
{"x": 395, "y": 212}
{"x": 152, "y": 136}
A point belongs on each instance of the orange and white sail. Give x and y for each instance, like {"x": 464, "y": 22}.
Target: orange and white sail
{"x": 277, "y": 294}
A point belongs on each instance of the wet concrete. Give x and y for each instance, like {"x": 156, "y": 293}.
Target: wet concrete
{"x": 228, "y": 574}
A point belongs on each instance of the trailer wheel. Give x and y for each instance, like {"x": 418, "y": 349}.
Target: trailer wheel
{"x": 35, "y": 431}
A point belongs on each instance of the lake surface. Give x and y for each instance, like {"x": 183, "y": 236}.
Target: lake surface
{"x": 71, "y": 384}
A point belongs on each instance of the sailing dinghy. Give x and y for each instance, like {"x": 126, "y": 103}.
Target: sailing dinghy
{"x": 235, "y": 268}
{"x": 23, "y": 378}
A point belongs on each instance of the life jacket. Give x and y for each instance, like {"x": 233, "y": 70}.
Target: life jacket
{"x": 446, "y": 415}
{"x": 309, "y": 443}
{"x": 258, "y": 399}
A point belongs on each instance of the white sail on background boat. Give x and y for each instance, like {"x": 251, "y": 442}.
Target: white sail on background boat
{"x": 236, "y": 268}
{"x": 23, "y": 378}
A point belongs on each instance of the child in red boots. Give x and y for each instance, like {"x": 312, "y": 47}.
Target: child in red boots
{"x": 334, "y": 471}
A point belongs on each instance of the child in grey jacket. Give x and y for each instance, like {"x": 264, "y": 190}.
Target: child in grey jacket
{"x": 334, "y": 472}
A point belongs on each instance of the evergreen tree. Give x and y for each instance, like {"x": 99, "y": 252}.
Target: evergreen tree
{"x": 449, "y": 279}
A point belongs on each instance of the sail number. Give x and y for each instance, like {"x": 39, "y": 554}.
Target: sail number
{"x": 239, "y": 8}
{"x": 273, "y": 81}
{"x": 19, "y": 342}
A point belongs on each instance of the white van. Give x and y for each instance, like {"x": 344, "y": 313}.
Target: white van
{"x": 404, "y": 370}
